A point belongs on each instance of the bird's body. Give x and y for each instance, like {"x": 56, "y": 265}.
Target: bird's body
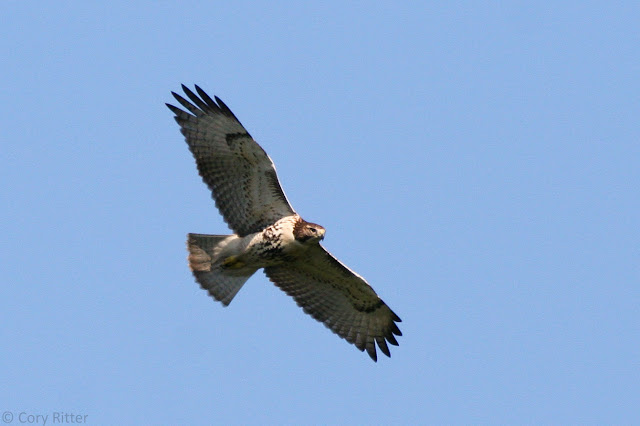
{"x": 274, "y": 245}
{"x": 269, "y": 234}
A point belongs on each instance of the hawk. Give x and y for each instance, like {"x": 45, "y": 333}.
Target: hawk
{"x": 269, "y": 234}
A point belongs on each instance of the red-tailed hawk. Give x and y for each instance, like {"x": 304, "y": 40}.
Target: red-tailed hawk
{"x": 269, "y": 234}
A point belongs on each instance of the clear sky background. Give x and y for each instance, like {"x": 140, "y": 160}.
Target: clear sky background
{"x": 477, "y": 162}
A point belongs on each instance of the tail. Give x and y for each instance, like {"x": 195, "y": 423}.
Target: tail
{"x": 206, "y": 265}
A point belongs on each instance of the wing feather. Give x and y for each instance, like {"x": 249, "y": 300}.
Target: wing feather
{"x": 338, "y": 297}
{"x": 239, "y": 173}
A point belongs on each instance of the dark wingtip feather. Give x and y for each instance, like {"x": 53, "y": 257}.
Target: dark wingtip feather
{"x": 224, "y": 108}
{"x": 176, "y": 96}
{"x": 174, "y": 109}
{"x": 195, "y": 99}
{"x": 202, "y": 103}
{"x": 206, "y": 98}
{"x": 395, "y": 316}
{"x": 371, "y": 350}
{"x": 219, "y": 101}
{"x": 189, "y": 93}
{"x": 395, "y": 330}
{"x": 382, "y": 344}
{"x": 391, "y": 339}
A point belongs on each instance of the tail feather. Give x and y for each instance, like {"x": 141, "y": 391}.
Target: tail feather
{"x": 204, "y": 251}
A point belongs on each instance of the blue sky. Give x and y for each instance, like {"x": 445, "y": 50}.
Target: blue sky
{"x": 476, "y": 162}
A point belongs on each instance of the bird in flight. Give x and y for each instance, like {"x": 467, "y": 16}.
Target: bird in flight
{"x": 269, "y": 234}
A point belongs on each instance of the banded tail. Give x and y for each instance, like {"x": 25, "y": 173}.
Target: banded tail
{"x": 208, "y": 266}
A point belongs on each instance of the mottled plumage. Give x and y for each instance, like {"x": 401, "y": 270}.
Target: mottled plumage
{"x": 269, "y": 234}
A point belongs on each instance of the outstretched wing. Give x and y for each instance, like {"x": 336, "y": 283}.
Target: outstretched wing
{"x": 239, "y": 173}
{"x": 338, "y": 297}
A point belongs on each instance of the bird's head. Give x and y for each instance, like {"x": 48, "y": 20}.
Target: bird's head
{"x": 307, "y": 232}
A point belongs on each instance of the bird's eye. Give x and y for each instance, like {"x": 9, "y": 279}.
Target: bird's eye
{"x": 313, "y": 230}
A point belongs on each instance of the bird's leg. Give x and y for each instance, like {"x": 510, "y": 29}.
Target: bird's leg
{"x": 233, "y": 262}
